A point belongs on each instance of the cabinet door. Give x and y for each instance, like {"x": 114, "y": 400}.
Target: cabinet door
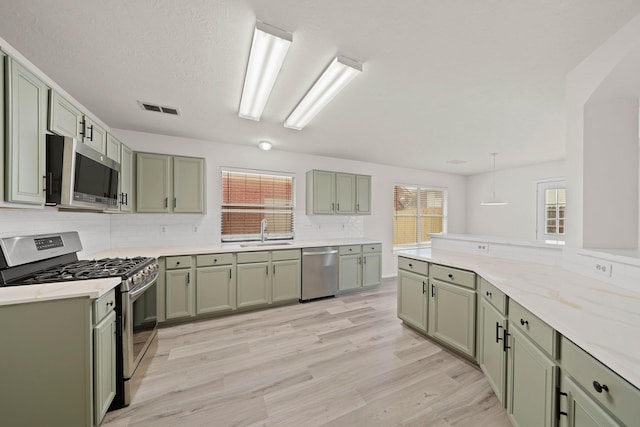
{"x": 285, "y": 283}
{"x": 113, "y": 148}
{"x": 363, "y": 194}
{"x": 64, "y": 118}
{"x": 215, "y": 289}
{"x": 371, "y": 269}
{"x": 582, "y": 411}
{"x": 104, "y": 365}
{"x": 3, "y": 58}
{"x": 178, "y": 293}
{"x": 95, "y": 136}
{"x": 531, "y": 381}
{"x": 253, "y": 284}
{"x": 188, "y": 185}
{"x": 25, "y": 143}
{"x": 152, "y": 182}
{"x": 452, "y": 316}
{"x": 412, "y": 299}
{"x": 323, "y": 193}
{"x": 491, "y": 355}
{"x": 126, "y": 178}
{"x": 350, "y": 268}
{"x": 345, "y": 194}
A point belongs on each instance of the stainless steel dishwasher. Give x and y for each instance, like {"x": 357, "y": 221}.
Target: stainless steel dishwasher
{"x": 319, "y": 272}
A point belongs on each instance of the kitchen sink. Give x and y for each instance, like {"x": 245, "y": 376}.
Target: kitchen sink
{"x": 253, "y": 244}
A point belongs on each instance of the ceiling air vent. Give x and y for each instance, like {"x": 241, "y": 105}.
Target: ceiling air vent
{"x": 147, "y": 106}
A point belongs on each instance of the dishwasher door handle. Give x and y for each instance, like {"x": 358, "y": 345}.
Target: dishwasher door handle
{"x": 319, "y": 253}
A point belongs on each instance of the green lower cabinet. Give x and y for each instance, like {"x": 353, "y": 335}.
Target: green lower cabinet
{"x": 371, "y": 269}
{"x": 491, "y": 355}
{"x": 104, "y": 359}
{"x": 531, "y": 381}
{"x": 412, "y": 299}
{"x": 452, "y": 316}
{"x": 253, "y": 286}
{"x": 215, "y": 289}
{"x": 285, "y": 283}
{"x": 350, "y": 272}
{"x": 580, "y": 410}
{"x": 178, "y": 294}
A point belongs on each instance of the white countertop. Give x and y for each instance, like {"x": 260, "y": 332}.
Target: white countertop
{"x": 160, "y": 251}
{"x": 601, "y": 318}
{"x": 92, "y": 289}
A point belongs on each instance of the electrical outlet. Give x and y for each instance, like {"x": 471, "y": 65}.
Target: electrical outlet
{"x": 604, "y": 268}
{"x": 163, "y": 229}
{"x": 195, "y": 229}
{"x": 483, "y": 247}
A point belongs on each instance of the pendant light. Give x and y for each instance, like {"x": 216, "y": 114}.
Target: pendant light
{"x": 493, "y": 200}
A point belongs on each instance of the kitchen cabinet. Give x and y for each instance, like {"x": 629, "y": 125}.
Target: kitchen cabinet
{"x": 531, "y": 381}
{"x": 94, "y": 135}
{"x": 113, "y": 148}
{"x": 215, "y": 283}
{"x": 590, "y": 394}
{"x": 413, "y": 282}
{"x": 359, "y": 266}
{"x": 64, "y": 117}
{"x": 104, "y": 355}
{"x": 2, "y": 124}
{"x": 126, "y": 179}
{"x": 491, "y": 350}
{"x": 179, "y": 290}
{"x": 286, "y": 278}
{"x": 169, "y": 184}
{"x": 336, "y": 193}
{"x": 253, "y": 279}
{"x": 25, "y": 135}
{"x": 452, "y": 308}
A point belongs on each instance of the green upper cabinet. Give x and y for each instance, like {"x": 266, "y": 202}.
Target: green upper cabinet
{"x": 363, "y": 194}
{"x": 330, "y": 193}
{"x": 169, "y": 184}
{"x": 345, "y": 194}
{"x": 64, "y": 118}
{"x": 2, "y": 126}
{"x": 25, "y": 135}
{"x": 95, "y": 136}
{"x": 113, "y": 148}
{"x": 126, "y": 178}
{"x": 188, "y": 185}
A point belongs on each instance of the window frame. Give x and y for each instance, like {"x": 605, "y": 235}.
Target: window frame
{"x": 445, "y": 211}
{"x": 248, "y": 237}
{"x": 540, "y": 196}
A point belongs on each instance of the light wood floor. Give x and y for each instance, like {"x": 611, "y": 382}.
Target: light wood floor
{"x": 344, "y": 361}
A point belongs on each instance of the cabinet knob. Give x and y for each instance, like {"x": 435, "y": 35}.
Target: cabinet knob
{"x": 489, "y": 294}
{"x": 215, "y": 260}
{"x": 451, "y": 276}
{"x": 599, "y": 387}
{"x": 110, "y": 303}
{"x": 410, "y": 265}
{"x": 177, "y": 262}
{"x": 524, "y": 322}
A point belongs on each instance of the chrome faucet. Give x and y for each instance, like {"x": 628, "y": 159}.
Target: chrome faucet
{"x": 263, "y": 228}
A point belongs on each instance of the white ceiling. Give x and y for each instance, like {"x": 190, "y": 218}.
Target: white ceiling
{"x": 442, "y": 80}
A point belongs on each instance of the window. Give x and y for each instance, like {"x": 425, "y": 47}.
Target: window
{"x": 552, "y": 207}
{"x": 417, "y": 212}
{"x": 248, "y": 197}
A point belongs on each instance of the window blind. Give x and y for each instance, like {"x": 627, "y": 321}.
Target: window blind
{"x": 417, "y": 212}
{"x": 250, "y": 197}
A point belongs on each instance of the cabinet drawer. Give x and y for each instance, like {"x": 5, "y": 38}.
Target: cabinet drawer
{"x": 372, "y": 248}
{"x": 173, "y": 262}
{"x": 534, "y": 328}
{"x": 284, "y": 255}
{"x": 349, "y": 250}
{"x": 419, "y": 267}
{"x": 246, "y": 257}
{"x": 453, "y": 275}
{"x": 621, "y": 399}
{"x": 493, "y": 295}
{"x": 213, "y": 259}
{"x": 104, "y": 306}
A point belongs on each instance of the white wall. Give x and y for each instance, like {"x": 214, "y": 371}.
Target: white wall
{"x": 144, "y": 229}
{"x": 516, "y": 220}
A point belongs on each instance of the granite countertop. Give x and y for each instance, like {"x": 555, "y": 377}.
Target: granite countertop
{"x": 601, "y": 318}
{"x": 92, "y": 289}
{"x": 160, "y": 251}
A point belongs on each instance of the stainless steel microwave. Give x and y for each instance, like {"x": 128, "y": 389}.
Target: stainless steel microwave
{"x": 78, "y": 176}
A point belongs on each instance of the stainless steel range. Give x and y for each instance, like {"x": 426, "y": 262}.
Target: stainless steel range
{"x": 49, "y": 258}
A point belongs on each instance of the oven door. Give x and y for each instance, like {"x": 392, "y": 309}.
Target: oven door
{"x": 139, "y": 324}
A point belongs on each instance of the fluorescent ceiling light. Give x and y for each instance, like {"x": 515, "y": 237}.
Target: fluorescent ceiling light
{"x": 493, "y": 200}
{"x": 264, "y": 145}
{"x": 337, "y": 75}
{"x": 268, "y": 50}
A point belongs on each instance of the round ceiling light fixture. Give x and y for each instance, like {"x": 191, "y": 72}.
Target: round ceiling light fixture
{"x": 264, "y": 145}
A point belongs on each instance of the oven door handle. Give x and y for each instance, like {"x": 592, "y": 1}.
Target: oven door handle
{"x": 135, "y": 293}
